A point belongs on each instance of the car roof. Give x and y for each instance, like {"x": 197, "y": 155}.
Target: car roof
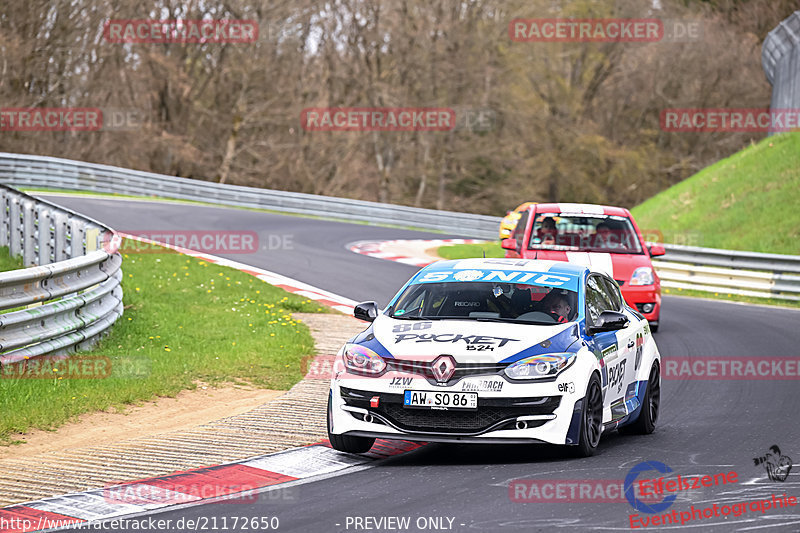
{"x": 533, "y": 265}
{"x": 586, "y": 209}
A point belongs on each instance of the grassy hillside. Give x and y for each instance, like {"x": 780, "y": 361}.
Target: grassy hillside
{"x": 749, "y": 201}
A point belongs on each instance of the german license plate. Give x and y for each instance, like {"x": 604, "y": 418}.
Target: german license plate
{"x": 414, "y": 399}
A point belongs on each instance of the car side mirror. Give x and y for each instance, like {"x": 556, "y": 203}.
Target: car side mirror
{"x": 656, "y": 250}
{"x": 509, "y": 244}
{"x": 366, "y": 311}
{"x": 609, "y": 321}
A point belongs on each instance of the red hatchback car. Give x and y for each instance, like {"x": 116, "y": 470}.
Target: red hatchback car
{"x": 605, "y": 238}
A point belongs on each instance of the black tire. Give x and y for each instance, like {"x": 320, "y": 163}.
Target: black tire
{"x": 591, "y": 419}
{"x": 654, "y": 326}
{"x": 347, "y": 443}
{"x": 646, "y": 423}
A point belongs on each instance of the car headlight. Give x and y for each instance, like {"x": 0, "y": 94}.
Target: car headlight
{"x": 362, "y": 360}
{"x": 539, "y": 366}
{"x": 643, "y": 276}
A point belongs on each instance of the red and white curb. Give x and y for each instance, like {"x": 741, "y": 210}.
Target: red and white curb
{"x": 340, "y": 303}
{"x": 239, "y": 482}
{"x": 409, "y": 252}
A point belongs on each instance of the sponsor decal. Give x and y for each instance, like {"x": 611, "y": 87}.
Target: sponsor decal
{"x": 566, "y": 387}
{"x": 468, "y": 275}
{"x": 533, "y": 278}
{"x": 401, "y": 382}
{"x": 473, "y": 340}
{"x": 483, "y": 385}
{"x": 609, "y": 351}
{"x": 616, "y": 374}
{"x": 400, "y": 328}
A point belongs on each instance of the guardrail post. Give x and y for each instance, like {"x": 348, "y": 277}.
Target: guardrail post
{"x": 45, "y": 223}
{"x": 5, "y": 223}
{"x": 29, "y": 233}
{"x": 76, "y": 235}
{"x": 15, "y": 227}
{"x": 60, "y": 236}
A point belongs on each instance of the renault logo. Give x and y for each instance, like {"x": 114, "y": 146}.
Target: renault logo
{"x": 443, "y": 368}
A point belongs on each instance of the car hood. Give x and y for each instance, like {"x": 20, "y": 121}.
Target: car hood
{"x": 618, "y": 266}
{"x": 468, "y": 341}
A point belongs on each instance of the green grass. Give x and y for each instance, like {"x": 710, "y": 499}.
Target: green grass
{"x": 465, "y": 251}
{"x": 748, "y": 201}
{"x": 730, "y": 297}
{"x": 185, "y": 321}
{"x": 7, "y": 262}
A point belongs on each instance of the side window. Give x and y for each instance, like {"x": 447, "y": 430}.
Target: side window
{"x": 519, "y": 231}
{"x": 597, "y": 300}
{"x": 612, "y": 290}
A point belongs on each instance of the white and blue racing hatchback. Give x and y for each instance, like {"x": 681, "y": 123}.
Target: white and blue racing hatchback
{"x": 497, "y": 350}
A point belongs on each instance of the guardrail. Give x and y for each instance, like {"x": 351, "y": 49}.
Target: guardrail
{"x": 728, "y": 271}
{"x": 51, "y": 172}
{"x": 70, "y": 294}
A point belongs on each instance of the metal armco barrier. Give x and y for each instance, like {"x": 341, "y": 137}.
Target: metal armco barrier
{"x": 70, "y": 294}
{"x": 51, "y": 172}
{"x": 683, "y": 267}
{"x": 780, "y": 58}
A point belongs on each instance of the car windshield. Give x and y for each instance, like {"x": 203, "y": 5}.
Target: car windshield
{"x": 586, "y": 233}
{"x": 488, "y": 301}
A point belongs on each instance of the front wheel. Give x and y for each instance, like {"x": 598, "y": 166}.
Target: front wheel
{"x": 646, "y": 423}
{"x": 347, "y": 443}
{"x": 591, "y": 419}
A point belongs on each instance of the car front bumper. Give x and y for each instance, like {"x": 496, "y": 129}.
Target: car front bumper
{"x": 635, "y": 296}
{"x": 520, "y": 412}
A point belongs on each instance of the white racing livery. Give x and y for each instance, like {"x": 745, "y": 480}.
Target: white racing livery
{"x": 497, "y": 350}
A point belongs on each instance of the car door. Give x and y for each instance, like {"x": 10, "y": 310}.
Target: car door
{"x": 617, "y": 349}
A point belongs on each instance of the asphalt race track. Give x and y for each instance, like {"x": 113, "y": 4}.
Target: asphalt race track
{"x": 705, "y": 427}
